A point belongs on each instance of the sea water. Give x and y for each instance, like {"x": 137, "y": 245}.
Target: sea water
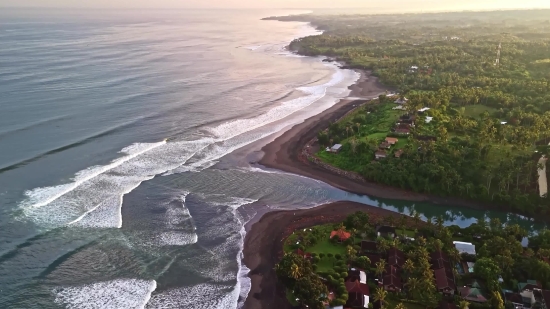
{"x": 119, "y": 183}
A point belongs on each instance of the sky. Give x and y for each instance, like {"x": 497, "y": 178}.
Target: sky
{"x": 393, "y": 5}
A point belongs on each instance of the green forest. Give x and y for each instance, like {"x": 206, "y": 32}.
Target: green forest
{"x": 490, "y": 118}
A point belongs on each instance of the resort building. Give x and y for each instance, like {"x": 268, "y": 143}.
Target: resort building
{"x": 335, "y": 149}
{"x": 380, "y": 154}
{"x": 391, "y": 140}
{"x": 465, "y": 247}
{"x": 341, "y": 234}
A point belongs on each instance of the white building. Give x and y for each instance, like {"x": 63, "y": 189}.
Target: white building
{"x": 465, "y": 247}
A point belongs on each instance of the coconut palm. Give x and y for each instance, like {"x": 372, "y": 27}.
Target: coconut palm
{"x": 380, "y": 295}
{"x": 408, "y": 266}
{"x": 382, "y": 245}
{"x": 295, "y": 271}
{"x": 380, "y": 268}
{"x": 400, "y": 306}
{"x": 413, "y": 284}
{"x": 463, "y": 304}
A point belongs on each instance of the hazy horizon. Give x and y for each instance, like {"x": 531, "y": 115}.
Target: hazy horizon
{"x": 386, "y": 6}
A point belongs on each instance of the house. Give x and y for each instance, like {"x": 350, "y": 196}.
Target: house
{"x": 380, "y": 154}
{"x": 529, "y": 285}
{"x": 374, "y": 258}
{"x": 385, "y": 145}
{"x": 465, "y": 247}
{"x": 396, "y": 257}
{"x": 402, "y": 100}
{"x": 392, "y": 280}
{"x": 472, "y": 294}
{"x": 403, "y": 131}
{"x": 424, "y": 109}
{"x": 429, "y": 119}
{"x": 398, "y": 153}
{"x": 358, "y": 294}
{"x": 518, "y": 300}
{"x": 355, "y": 274}
{"x": 369, "y": 246}
{"x": 341, "y": 234}
{"x": 336, "y": 148}
{"x": 443, "y": 283}
{"x": 440, "y": 260}
{"x": 546, "y": 297}
{"x": 386, "y": 231}
{"x": 391, "y": 140}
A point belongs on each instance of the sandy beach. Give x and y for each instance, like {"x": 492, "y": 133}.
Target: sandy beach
{"x": 263, "y": 245}
{"x": 282, "y": 153}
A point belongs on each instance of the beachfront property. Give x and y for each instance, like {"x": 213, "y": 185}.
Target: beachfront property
{"x": 335, "y": 149}
{"x": 402, "y": 100}
{"x": 465, "y": 247}
{"x": 380, "y": 154}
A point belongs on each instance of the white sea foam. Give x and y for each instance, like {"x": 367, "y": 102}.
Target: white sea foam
{"x": 94, "y": 197}
{"x": 314, "y": 93}
{"x": 120, "y": 293}
{"x": 96, "y": 201}
{"x": 201, "y": 296}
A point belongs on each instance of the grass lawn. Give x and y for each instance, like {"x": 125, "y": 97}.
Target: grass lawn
{"x": 291, "y": 298}
{"x": 408, "y": 233}
{"x": 325, "y": 246}
{"x": 475, "y": 110}
{"x": 377, "y": 136}
{"x": 325, "y": 264}
{"x": 391, "y": 302}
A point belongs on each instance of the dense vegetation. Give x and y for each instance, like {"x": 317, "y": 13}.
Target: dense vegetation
{"x": 499, "y": 255}
{"x": 488, "y": 118}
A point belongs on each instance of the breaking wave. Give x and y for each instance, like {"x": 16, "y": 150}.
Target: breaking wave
{"x": 120, "y": 293}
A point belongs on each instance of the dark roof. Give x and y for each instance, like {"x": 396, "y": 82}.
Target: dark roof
{"x": 530, "y": 287}
{"x": 357, "y": 287}
{"x": 546, "y": 297}
{"x": 392, "y": 277}
{"x": 439, "y": 255}
{"x": 513, "y": 297}
{"x": 368, "y": 245}
{"x": 354, "y": 300}
{"x": 396, "y": 257}
{"x": 374, "y": 258}
{"x": 442, "y": 281}
{"x": 445, "y": 305}
{"x": 472, "y": 294}
{"x": 385, "y": 229}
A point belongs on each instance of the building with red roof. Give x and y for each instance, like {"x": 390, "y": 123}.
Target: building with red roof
{"x": 341, "y": 234}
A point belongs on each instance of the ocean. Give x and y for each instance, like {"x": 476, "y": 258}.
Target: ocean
{"x": 125, "y": 146}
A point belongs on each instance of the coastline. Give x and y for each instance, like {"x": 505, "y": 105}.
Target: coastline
{"x": 283, "y": 153}
{"x": 263, "y": 245}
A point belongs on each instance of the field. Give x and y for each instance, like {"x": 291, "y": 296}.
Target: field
{"x": 475, "y": 111}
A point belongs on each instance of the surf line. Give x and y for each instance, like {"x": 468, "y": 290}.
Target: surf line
{"x": 100, "y": 171}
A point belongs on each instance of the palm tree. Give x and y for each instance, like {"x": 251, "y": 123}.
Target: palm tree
{"x": 408, "y": 266}
{"x": 400, "y": 306}
{"x": 382, "y": 245}
{"x": 380, "y": 268}
{"x": 463, "y": 304}
{"x": 439, "y": 222}
{"x": 380, "y": 295}
{"x": 413, "y": 284}
{"x": 295, "y": 271}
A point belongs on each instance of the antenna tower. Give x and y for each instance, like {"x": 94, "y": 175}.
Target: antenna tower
{"x": 497, "y": 62}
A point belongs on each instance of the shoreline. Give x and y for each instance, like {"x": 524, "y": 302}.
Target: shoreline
{"x": 263, "y": 245}
{"x": 283, "y": 153}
